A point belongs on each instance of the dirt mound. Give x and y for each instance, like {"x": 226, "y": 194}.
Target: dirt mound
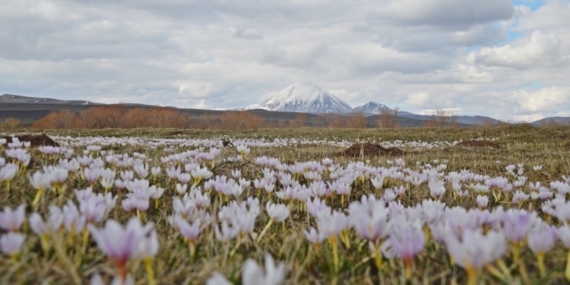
{"x": 369, "y": 149}
{"x": 35, "y": 141}
{"x": 488, "y": 144}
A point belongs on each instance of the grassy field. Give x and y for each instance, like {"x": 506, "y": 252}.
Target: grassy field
{"x": 62, "y": 257}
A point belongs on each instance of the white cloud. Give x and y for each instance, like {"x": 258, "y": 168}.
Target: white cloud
{"x": 195, "y": 89}
{"x": 417, "y": 99}
{"x": 537, "y": 50}
{"x": 544, "y": 100}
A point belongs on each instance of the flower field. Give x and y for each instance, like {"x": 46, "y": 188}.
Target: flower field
{"x": 285, "y": 207}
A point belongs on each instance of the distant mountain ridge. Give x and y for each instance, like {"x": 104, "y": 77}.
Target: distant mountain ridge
{"x": 468, "y": 120}
{"x": 552, "y": 120}
{"x": 10, "y": 98}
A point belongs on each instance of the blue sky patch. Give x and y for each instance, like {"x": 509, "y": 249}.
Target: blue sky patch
{"x": 533, "y": 85}
{"x": 533, "y": 4}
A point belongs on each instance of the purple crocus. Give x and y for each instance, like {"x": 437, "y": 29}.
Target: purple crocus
{"x": 120, "y": 244}
{"x": 406, "y": 243}
{"x": 189, "y": 231}
{"x": 516, "y": 224}
{"x": 92, "y": 175}
{"x": 11, "y": 243}
{"x": 12, "y": 220}
{"x": 540, "y": 240}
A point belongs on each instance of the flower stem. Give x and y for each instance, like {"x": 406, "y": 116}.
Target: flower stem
{"x": 451, "y": 260}
{"x": 149, "y": 271}
{"x": 408, "y": 264}
{"x": 38, "y": 197}
{"x": 567, "y": 272}
{"x": 494, "y": 271}
{"x": 62, "y": 255}
{"x": 332, "y": 241}
{"x": 197, "y": 181}
{"x": 264, "y": 230}
{"x": 85, "y": 240}
{"x": 45, "y": 244}
{"x": 122, "y": 272}
{"x": 377, "y": 256}
{"x": 471, "y": 275}
{"x": 427, "y": 234}
{"x": 516, "y": 250}
{"x": 192, "y": 248}
{"x": 540, "y": 259}
{"x": 236, "y": 247}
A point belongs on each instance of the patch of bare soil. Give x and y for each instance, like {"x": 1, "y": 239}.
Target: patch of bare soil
{"x": 35, "y": 140}
{"x": 479, "y": 144}
{"x": 369, "y": 149}
{"x": 247, "y": 168}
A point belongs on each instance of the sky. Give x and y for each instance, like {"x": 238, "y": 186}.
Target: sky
{"x": 507, "y": 59}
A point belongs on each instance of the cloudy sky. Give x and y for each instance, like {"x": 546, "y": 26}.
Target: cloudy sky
{"x": 509, "y": 59}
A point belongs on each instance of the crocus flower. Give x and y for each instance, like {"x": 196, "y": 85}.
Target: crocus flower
{"x": 155, "y": 171}
{"x": 516, "y": 224}
{"x": 42, "y": 228}
{"x": 225, "y": 232}
{"x": 218, "y": 279}
{"x": 474, "y": 250}
{"x": 92, "y": 175}
{"x": 40, "y": 181}
{"x": 436, "y": 189}
{"x": 406, "y": 243}
{"x": 12, "y": 220}
{"x": 541, "y": 240}
{"x": 482, "y": 201}
{"x": 277, "y": 213}
{"x": 243, "y": 150}
{"x": 120, "y": 244}
{"x": 314, "y": 237}
{"x": 11, "y": 244}
{"x": 96, "y": 207}
{"x": 148, "y": 248}
{"x": 181, "y": 188}
{"x": 370, "y": 218}
{"x": 564, "y": 235}
{"x": 253, "y": 274}
{"x": 200, "y": 174}
{"x": 7, "y": 173}
{"x": 189, "y": 231}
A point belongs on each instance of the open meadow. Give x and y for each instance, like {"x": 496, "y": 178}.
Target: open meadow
{"x": 471, "y": 206}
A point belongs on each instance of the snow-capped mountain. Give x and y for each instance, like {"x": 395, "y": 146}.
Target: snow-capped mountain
{"x": 250, "y": 107}
{"x": 307, "y": 98}
{"x": 371, "y": 107}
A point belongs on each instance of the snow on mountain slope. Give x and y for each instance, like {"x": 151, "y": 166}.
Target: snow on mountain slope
{"x": 250, "y": 107}
{"x": 371, "y": 107}
{"x": 307, "y": 98}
